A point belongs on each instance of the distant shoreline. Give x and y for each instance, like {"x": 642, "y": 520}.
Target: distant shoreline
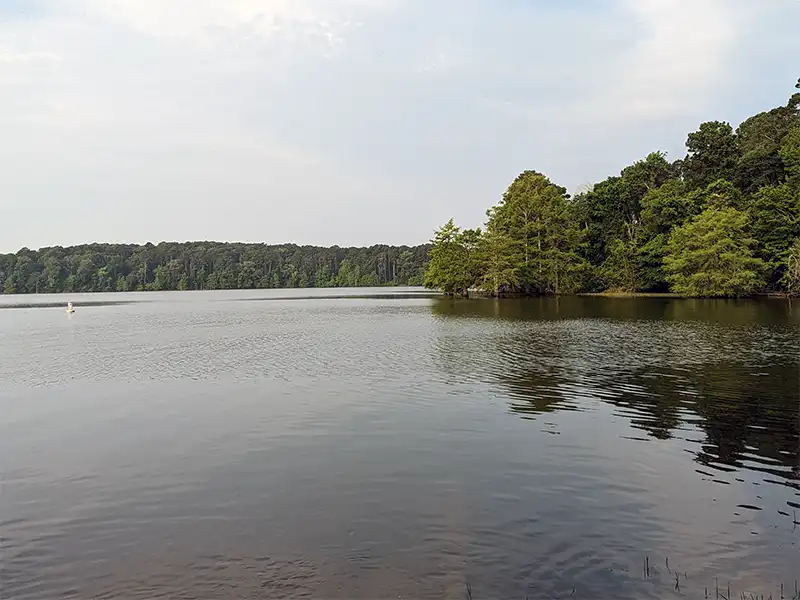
{"x": 474, "y": 294}
{"x": 679, "y": 296}
{"x": 207, "y": 266}
{"x": 477, "y": 294}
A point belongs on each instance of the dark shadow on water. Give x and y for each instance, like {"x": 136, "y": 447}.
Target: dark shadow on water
{"x": 732, "y": 312}
{"x": 727, "y": 370}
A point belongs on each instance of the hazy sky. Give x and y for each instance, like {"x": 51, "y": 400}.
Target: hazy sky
{"x": 351, "y": 122}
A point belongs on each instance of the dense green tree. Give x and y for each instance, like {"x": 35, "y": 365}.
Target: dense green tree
{"x": 759, "y": 139}
{"x": 719, "y": 194}
{"x": 565, "y": 269}
{"x": 470, "y": 242}
{"x": 775, "y": 216}
{"x": 443, "y": 263}
{"x": 636, "y": 181}
{"x": 454, "y": 264}
{"x": 666, "y": 207}
{"x": 594, "y": 210}
{"x": 535, "y": 215}
{"x": 650, "y": 263}
{"x": 712, "y": 255}
{"x": 521, "y": 214}
{"x": 663, "y": 209}
{"x": 724, "y": 220}
{"x": 206, "y": 265}
{"x": 713, "y": 154}
{"x": 500, "y": 262}
{"x": 622, "y": 270}
{"x": 611, "y": 217}
{"x": 790, "y": 155}
{"x": 791, "y": 276}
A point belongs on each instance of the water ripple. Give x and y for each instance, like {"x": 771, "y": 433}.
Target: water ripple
{"x": 217, "y": 446}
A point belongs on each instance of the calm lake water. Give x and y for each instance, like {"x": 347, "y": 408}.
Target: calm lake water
{"x": 385, "y": 443}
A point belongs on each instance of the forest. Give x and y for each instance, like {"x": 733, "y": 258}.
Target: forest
{"x": 206, "y": 266}
{"x": 723, "y": 221}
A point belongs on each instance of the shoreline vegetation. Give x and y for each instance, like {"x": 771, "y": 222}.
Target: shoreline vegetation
{"x": 724, "y": 221}
{"x": 172, "y": 266}
{"x": 618, "y": 294}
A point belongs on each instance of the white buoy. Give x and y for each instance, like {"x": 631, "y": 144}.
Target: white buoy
{"x": 69, "y": 308}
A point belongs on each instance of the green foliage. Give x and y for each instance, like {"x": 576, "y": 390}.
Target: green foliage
{"x": 666, "y": 207}
{"x": 205, "y": 266}
{"x": 775, "y": 216}
{"x": 539, "y": 223}
{"x": 713, "y": 154}
{"x": 719, "y": 194}
{"x": 499, "y": 262}
{"x": 596, "y": 214}
{"x": 759, "y": 138}
{"x": 611, "y": 216}
{"x": 790, "y": 155}
{"x": 637, "y": 180}
{"x": 791, "y": 276}
{"x": 651, "y": 263}
{"x": 723, "y": 221}
{"x": 454, "y": 262}
{"x": 712, "y": 255}
{"x": 530, "y": 245}
{"x": 622, "y": 270}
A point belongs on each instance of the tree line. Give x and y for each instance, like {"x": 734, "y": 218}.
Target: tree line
{"x": 722, "y": 221}
{"x": 207, "y": 266}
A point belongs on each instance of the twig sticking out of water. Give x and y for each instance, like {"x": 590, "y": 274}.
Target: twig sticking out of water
{"x": 469, "y": 590}
{"x": 728, "y": 597}
{"x": 677, "y": 583}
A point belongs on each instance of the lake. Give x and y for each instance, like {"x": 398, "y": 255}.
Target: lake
{"x": 387, "y": 443}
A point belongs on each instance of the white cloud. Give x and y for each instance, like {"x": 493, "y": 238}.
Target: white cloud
{"x": 206, "y": 23}
{"x": 679, "y": 58}
{"x": 190, "y": 105}
{"x": 675, "y": 62}
{"x": 197, "y": 20}
{"x": 11, "y": 56}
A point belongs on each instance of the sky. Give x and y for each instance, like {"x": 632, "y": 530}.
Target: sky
{"x": 351, "y": 122}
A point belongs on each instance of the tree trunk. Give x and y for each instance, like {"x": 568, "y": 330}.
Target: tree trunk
{"x": 539, "y": 236}
{"x": 556, "y": 273}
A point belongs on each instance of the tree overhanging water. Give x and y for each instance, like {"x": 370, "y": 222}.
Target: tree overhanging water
{"x": 723, "y": 221}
